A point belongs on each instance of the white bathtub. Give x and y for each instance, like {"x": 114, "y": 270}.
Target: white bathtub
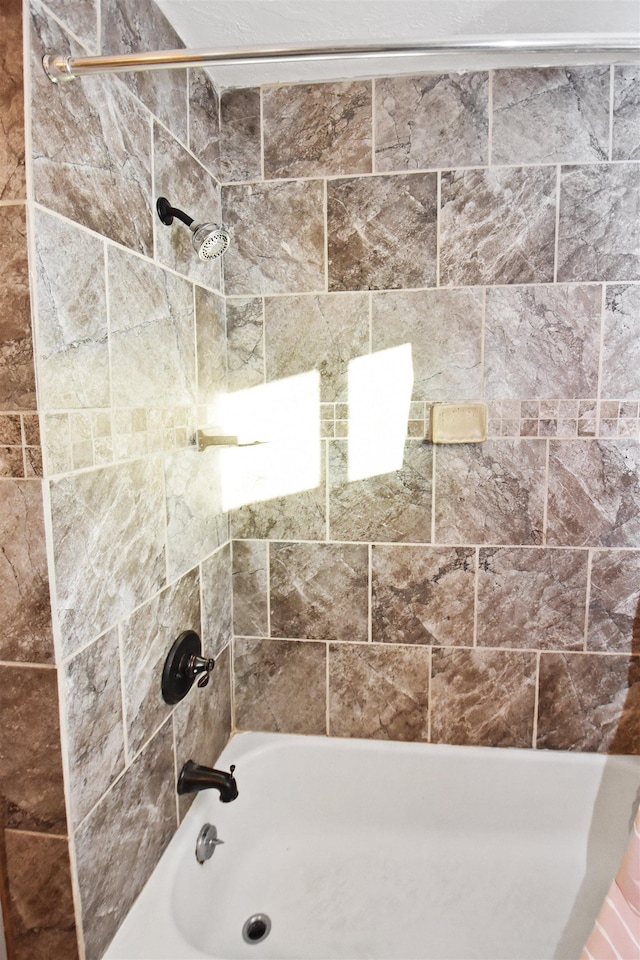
{"x": 388, "y": 850}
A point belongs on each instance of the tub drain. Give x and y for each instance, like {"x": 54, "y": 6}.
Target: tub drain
{"x": 256, "y": 928}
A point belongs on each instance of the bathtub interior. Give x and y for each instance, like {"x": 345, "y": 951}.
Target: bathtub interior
{"x": 370, "y": 849}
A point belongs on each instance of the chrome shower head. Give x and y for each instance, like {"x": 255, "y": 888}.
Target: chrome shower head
{"x": 209, "y": 240}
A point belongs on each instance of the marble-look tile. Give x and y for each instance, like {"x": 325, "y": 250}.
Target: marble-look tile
{"x": 277, "y": 238}
{"x": 95, "y": 728}
{"x": 322, "y": 332}
{"x": 153, "y": 359}
{"x": 10, "y": 429}
{"x": 12, "y": 147}
{"x": 444, "y": 328}
{"x": 382, "y": 232}
{"x": 240, "y": 146}
{"x": 122, "y": 839}
{"x": 73, "y": 353}
{"x": 422, "y": 594}
{"x": 280, "y": 686}
{"x": 626, "y": 113}
{"x": 437, "y": 120}
{"x": 621, "y": 344}
{"x": 594, "y": 493}
{"x": 211, "y": 345}
{"x": 41, "y": 905}
{"x": 108, "y": 543}
{"x": 245, "y": 343}
{"x": 189, "y": 186}
{"x": 490, "y": 493}
{"x": 204, "y": 119}
{"x": 196, "y": 522}
{"x": 587, "y": 702}
{"x": 394, "y": 506}
{"x": 317, "y": 129}
{"x": 483, "y": 697}
{"x": 542, "y": 341}
{"x": 319, "y": 591}
{"x": 217, "y": 628}
{"x": 250, "y": 588}
{"x": 614, "y": 602}
{"x": 380, "y": 693}
{"x": 17, "y": 374}
{"x": 202, "y": 722}
{"x": 497, "y": 225}
{"x": 25, "y": 606}
{"x": 550, "y": 115}
{"x": 80, "y": 19}
{"x": 146, "y": 638}
{"x": 11, "y": 462}
{"x": 30, "y": 751}
{"x": 91, "y": 147}
{"x": 532, "y": 598}
{"x": 128, "y": 26}
{"x": 599, "y": 225}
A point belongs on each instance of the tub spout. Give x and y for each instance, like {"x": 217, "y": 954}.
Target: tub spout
{"x": 194, "y": 778}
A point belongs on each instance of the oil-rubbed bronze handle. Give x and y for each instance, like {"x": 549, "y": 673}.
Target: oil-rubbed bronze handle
{"x": 183, "y": 666}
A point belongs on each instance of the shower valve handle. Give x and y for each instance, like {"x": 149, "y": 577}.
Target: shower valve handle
{"x": 200, "y": 665}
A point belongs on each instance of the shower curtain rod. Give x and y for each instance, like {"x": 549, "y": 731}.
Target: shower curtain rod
{"x": 60, "y": 68}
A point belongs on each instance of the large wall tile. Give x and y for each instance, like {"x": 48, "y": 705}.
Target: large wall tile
{"x": 280, "y": 686}
{"x": 322, "y": 333}
{"x": 25, "y": 605}
{"x": 497, "y": 226}
{"x": 621, "y": 346}
{"x": 542, "y": 342}
{"x": 240, "y": 143}
{"x": 121, "y": 841}
{"x": 250, "y": 588}
{"x": 17, "y": 374}
{"x": 108, "y": 543}
{"x": 490, "y": 493}
{"x": 12, "y": 166}
{"x": 147, "y": 637}
{"x": 196, "y": 522}
{"x": 483, "y": 697}
{"x": 42, "y": 911}
{"x": 152, "y": 325}
{"x": 95, "y": 728}
{"x": 394, "y": 506}
{"x": 319, "y": 591}
{"x": 217, "y": 627}
{"x": 589, "y": 702}
{"x": 422, "y": 594}
{"x": 381, "y": 693}
{"x": 72, "y": 315}
{"x": 245, "y": 343}
{"x": 532, "y": 598}
{"x": 594, "y": 493}
{"x": 550, "y": 115}
{"x": 80, "y": 19}
{"x": 444, "y": 328}
{"x": 626, "y": 113}
{"x": 91, "y": 148}
{"x": 204, "y": 119}
{"x": 318, "y": 129}
{"x": 211, "y": 345}
{"x": 188, "y": 186}
{"x": 129, "y": 26}
{"x": 599, "y": 226}
{"x": 438, "y": 120}
{"x": 30, "y": 753}
{"x": 382, "y": 232}
{"x": 277, "y": 238}
{"x": 614, "y": 602}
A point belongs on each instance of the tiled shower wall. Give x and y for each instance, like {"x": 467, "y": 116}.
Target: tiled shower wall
{"x": 129, "y": 339}
{"x": 480, "y": 594}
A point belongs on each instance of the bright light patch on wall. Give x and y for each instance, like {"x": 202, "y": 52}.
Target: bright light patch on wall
{"x": 284, "y": 416}
{"x": 380, "y": 386}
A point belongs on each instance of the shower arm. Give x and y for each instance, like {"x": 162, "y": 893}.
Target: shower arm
{"x": 61, "y": 68}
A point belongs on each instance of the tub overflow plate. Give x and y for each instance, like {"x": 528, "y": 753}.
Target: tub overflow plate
{"x": 256, "y": 928}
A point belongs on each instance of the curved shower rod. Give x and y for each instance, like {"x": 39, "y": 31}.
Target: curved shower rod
{"x": 61, "y": 68}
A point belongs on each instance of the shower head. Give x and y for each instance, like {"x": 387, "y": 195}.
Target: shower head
{"x": 209, "y": 240}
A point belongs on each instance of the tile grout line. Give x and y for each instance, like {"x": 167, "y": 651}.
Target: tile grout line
{"x": 123, "y": 699}
{"x": 476, "y": 588}
{"x": 545, "y": 505}
{"x": 327, "y": 710}
{"x": 325, "y": 212}
{"x": 370, "y": 592}
{"x": 174, "y": 745}
{"x": 587, "y": 600}
{"x": 268, "y": 557}
{"x": 429, "y": 694}
{"x": 536, "y": 700}
{"x": 374, "y": 165}
{"x": 438, "y": 226}
{"x": 603, "y": 316}
{"x": 612, "y": 81}
{"x": 557, "y": 225}
{"x": 490, "y": 117}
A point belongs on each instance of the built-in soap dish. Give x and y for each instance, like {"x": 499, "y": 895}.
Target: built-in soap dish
{"x": 183, "y": 666}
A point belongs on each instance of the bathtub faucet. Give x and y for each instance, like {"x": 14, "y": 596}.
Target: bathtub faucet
{"x": 194, "y": 778}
